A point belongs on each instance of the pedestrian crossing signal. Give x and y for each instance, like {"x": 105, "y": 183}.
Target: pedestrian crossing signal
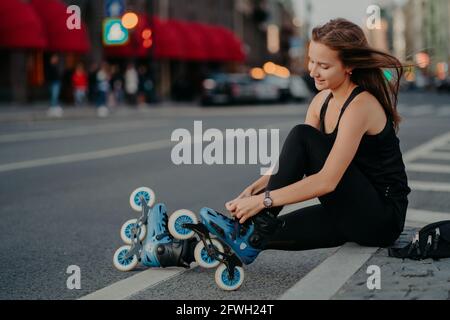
{"x": 114, "y": 33}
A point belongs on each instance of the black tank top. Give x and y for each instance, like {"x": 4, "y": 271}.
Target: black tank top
{"x": 378, "y": 156}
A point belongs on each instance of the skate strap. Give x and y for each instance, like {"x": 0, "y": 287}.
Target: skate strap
{"x": 162, "y": 235}
{"x": 235, "y": 229}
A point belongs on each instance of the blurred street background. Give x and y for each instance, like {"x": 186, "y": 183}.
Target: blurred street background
{"x": 88, "y": 106}
{"x": 140, "y": 53}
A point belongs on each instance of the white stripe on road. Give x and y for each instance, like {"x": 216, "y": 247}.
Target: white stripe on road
{"x": 444, "y": 147}
{"x": 427, "y": 147}
{"x": 327, "y": 278}
{"x": 425, "y": 167}
{"x": 429, "y": 186}
{"x": 134, "y": 284}
{"x": 425, "y": 217}
{"x": 444, "y": 111}
{"x": 420, "y": 110}
{"x": 324, "y": 281}
{"x": 436, "y": 155}
{"x": 78, "y": 131}
{"x": 108, "y": 153}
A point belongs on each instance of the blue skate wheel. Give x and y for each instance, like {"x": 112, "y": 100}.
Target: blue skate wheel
{"x": 223, "y": 280}
{"x": 203, "y": 258}
{"x": 148, "y": 195}
{"x": 126, "y": 232}
{"x": 176, "y": 222}
{"x": 121, "y": 263}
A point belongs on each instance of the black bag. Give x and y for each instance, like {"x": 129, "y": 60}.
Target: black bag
{"x": 432, "y": 241}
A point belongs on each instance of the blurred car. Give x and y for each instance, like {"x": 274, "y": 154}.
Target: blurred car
{"x": 266, "y": 90}
{"x": 291, "y": 88}
{"x": 299, "y": 89}
{"x": 222, "y": 88}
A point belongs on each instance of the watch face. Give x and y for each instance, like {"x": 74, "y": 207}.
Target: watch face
{"x": 267, "y": 202}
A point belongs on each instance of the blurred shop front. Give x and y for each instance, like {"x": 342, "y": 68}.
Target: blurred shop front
{"x": 180, "y": 54}
{"x": 30, "y": 33}
{"x": 176, "y": 43}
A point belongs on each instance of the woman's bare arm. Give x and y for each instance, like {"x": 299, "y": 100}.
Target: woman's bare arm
{"x": 353, "y": 125}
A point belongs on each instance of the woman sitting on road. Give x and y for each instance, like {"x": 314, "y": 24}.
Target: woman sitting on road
{"x": 347, "y": 154}
{"x": 348, "y": 149}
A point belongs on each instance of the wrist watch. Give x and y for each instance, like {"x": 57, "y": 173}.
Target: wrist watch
{"x": 267, "y": 199}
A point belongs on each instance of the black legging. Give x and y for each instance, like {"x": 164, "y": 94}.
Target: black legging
{"x": 354, "y": 211}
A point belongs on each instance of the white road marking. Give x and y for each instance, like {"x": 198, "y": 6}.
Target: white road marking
{"x": 436, "y": 155}
{"x": 94, "y": 155}
{"x": 443, "y": 111}
{"x": 324, "y": 281}
{"x": 427, "y": 147}
{"x": 134, "y": 284}
{"x": 78, "y": 131}
{"x": 429, "y": 186}
{"x": 425, "y": 217}
{"x": 425, "y": 167}
{"x": 108, "y": 153}
{"x": 444, "y": 147}
{"x": 328, "y": 277}
{"x": 421, "y": 110}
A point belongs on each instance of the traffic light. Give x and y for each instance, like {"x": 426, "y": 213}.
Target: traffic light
{"x": 147, "y": 40}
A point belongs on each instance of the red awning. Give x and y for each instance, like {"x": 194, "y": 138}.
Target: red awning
{"x": 193, "y": 40}
{"x": 181, "y": 40}
{"x": 234, "y": 48}
{"x": 167, "y": 42}
{"x": 217, "y": 50}
{"x": 20, "y": 27}
{"x": 208, "y": 42}
{"x": 53, "y": 14}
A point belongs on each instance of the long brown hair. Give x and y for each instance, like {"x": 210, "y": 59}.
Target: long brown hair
{"x": 367, "y": 63}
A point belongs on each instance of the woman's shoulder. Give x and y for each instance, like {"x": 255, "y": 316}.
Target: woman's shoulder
{"x": 368, "y": 102}
{"x": 318, "y": 101}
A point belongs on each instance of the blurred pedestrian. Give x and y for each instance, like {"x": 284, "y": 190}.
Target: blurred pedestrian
{"x": 116, "y": 85}
{"x": 79, "y": 83}
{"x": 145, "y": 86}
{"x": 54, "y": 78}
{"x": 103, "y": 88}
{"x": 131, "y": 83}
{"x": 92, "y": 83}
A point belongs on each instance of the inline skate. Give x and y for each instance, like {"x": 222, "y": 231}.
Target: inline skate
{"x": 147, "y": 238}
{"x": 224, "y": 242}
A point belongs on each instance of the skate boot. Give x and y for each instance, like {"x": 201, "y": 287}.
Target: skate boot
{"x": 148, "y": 240}
{"x": 160, "y": 248}
{"x": 224, "y": 242}
{"x": 245, "y": 240}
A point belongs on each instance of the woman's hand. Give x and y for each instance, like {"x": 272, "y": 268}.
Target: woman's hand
{"x": 244, "y": 194}
{"x": 245, "y": 207}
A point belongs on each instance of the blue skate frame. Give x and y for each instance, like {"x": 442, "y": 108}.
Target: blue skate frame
{"x": 136, "y": 246}
{"x": 229, "y": 258}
